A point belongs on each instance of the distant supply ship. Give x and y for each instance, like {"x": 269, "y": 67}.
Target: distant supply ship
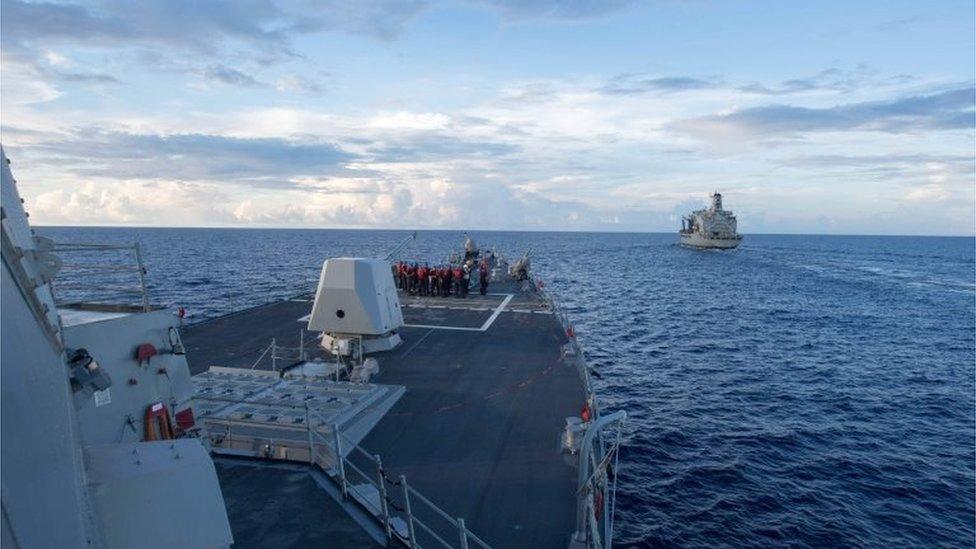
{"x": 711, "y": 228}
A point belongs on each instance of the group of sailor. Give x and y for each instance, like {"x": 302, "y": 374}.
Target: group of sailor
{"x": 440, "y": 281}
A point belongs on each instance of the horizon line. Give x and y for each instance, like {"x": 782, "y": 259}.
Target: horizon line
{"x": 526, "y": 230}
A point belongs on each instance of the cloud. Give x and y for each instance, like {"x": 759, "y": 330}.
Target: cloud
{"x": 180, "y": 34}
{"x": 829, "y": 160}
{"x": 946, "y": 110}
{"x": 433, "y": 146}
{"x": 557, "y": 9}
{"x": 99, "y": 204}
{"x": 27, "y": 22}
{"x": 201, "y": 28}
{"x": 833, "y": 79}
{"x": 297, "y": 83}
{"x": 627, "y": 84}
{"x": 265, "y": 162}
{"x": 231, "y": 77}
{"x": 931, "y": 192}
{"x": 25, "y": 68}
{"x": 181, "y": 24}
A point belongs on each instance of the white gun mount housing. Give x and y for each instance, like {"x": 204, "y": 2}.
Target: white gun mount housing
{"x": 356, "y": 304}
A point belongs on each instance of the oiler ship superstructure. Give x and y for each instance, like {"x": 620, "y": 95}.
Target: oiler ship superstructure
{"x": 713, "y": 227}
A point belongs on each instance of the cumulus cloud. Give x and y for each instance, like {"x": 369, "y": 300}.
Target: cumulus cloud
{"x": 562, "y": 153}
{"x": 137, "y": 203}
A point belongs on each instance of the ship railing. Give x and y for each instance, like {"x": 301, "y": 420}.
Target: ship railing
{"x": 572, "y": 351}
{"x": 597, "y": 486}
{"x": 406, "y": 515}
{"x": 282, "y": 356}
{"x": 598, "y": 455}
{"x": 101, "y": 276}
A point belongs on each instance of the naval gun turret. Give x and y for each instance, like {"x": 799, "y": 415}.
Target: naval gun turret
{"x": 356, "y": 307}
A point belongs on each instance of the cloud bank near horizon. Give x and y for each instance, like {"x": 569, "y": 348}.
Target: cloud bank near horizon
{"x": 247, "y": 114}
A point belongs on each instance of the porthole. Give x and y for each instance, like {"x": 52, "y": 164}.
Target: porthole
{"x": 340, "y": 313}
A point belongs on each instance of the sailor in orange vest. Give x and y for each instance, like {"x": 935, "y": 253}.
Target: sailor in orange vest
{"x": 422, "y": 280}
{"x": 411, "y": 274}
{"x": 458, "y": 281}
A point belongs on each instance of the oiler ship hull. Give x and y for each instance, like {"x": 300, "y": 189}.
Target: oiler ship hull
{"x": 696, "y": 240}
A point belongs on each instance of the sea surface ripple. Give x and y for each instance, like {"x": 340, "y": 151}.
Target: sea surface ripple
{"x": 802, "y": 391}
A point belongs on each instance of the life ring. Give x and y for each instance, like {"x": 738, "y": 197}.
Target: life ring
{"x": 157, "y": 423}
{"x": 585, "y": 413}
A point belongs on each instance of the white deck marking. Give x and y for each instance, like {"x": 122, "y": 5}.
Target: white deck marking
{"x": 484, "y": 327}
{"x": 498, "y": 311}
{"x": 414, "y": 346}
{"x": 460, "y": 328}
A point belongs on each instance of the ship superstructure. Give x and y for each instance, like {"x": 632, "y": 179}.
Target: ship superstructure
{"x": 353, "y": 416}
{"x": 713, "y": 227}
{"x": 100, "y": 447}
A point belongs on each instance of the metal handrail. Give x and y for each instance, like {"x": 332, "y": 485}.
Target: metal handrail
{"x": 587, "y": 522}
{"x": 409, "y": 494}
{"x": 135, "y": 264}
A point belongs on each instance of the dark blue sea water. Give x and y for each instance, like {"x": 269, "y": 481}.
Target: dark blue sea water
{"x": 813, "y": 391}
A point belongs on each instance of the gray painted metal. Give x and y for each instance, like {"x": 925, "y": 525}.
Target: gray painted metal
{"x": 710, "y": 228}
{"x": 308, "y": 517}
{"x": 65, "y": 482}
{"x": 257, "y": 413}
{"x": 139, "y": 486}
{"x": 477, "y": 431}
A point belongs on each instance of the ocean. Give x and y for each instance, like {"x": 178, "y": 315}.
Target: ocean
{"x": 803, "y": 391}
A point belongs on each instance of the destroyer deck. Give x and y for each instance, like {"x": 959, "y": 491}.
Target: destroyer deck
{"x": 487, "y": 394}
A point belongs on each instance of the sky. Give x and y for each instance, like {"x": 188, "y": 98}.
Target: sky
{"x": 832, "y": 117}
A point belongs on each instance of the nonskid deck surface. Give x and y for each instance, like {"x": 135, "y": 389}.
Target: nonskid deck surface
{"x": 277, "y": 506}
{"x": 487, "y": 394}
